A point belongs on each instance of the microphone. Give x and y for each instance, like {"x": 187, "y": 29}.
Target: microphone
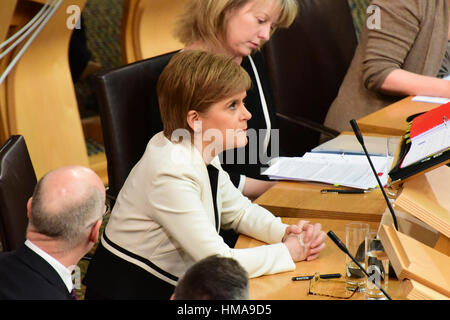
{"x": 361, "y": 141}
{"x": 342, "y": 246}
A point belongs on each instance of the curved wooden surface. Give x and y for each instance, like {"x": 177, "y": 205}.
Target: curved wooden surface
{"x": 147, "y": 28}
{"x": 6, "y": 16}
{"x": 391, "y": 120}
{"x": 41, "y": 100}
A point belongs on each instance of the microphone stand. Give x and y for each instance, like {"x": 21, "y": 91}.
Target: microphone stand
{"x": 361, "y": 141}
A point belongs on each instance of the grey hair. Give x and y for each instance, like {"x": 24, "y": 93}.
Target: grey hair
{"x": 70, "y": 221}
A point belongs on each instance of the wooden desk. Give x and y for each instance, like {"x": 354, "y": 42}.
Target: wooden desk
{"x": 332, "y": 260}
{"x": 391, "y": 120}
{"x": 304, "y": 200}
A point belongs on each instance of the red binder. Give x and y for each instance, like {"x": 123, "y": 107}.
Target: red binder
{"x": 423, "y": 123}
{"x": 429, "y": 120}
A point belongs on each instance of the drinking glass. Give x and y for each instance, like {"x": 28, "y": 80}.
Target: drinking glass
{"x": 355, "y": 237}
{"x": 377, "y": 266}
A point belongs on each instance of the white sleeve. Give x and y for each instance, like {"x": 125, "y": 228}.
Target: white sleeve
{"x": 240, "y": 214}
{"x": 242, "y": 181}
{"x": 177, "y": 207}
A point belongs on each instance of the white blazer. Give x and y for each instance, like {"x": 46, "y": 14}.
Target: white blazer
{"x": 164, "y": 216}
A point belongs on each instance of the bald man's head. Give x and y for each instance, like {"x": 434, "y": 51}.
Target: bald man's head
{"x": 65, "y": 202}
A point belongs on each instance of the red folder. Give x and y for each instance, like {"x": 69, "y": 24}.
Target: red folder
{"x": 421, "y": 124}
{"x": 429, "y": 120}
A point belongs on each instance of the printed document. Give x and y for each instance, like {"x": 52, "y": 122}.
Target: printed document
{"x": 346, "y": 170}
{"x": 428, "y": 144}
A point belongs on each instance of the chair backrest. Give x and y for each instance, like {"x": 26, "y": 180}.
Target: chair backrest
{"x": 17, "y": 182}
{"x": 124, "y": 96}
{"x": 307, "y": 63}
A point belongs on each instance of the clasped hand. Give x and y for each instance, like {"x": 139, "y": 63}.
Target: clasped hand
{"x": 304, "y": 240}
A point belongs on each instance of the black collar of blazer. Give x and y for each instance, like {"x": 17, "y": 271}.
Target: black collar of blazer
{"x": 42, "y": 267}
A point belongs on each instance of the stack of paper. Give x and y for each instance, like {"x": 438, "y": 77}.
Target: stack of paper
{"x": 348, "y": 144}
{"x": 346, "y": 170}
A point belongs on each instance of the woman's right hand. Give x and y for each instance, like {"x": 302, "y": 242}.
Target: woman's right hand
{"x": 297, "y": 249}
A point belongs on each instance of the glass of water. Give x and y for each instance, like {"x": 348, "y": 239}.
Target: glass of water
{"x": 377, "y": 266}
{"x": 355, "y": 237}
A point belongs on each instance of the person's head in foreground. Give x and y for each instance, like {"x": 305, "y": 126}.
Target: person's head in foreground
{"x": 66, "y": 210}
{"x": 213, "y": 278}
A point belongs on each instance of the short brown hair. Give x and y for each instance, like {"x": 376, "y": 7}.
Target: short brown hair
{"x": 194, "y": 80}
{"x": 205, "y": 19}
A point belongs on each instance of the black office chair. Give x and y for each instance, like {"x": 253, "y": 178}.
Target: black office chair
{"x": 307, "y": 63}
{"x": 17, "y": 182}
{"x": 124, "y": 96}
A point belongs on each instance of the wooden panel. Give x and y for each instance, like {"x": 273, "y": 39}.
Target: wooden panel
{"x": 127, "y": 31}
{"x": 40, "y": 1}
{"x": 41, "y": 100}
{"x": 148, "y": 28}
{"x": 98, "y": 164}
{"x": 6, "y": 16}
{"x": 416, "y": 291}
{"x": 415, "y": 261}
{"x": 331, "y": 260}
{"x": 411, "y": 226}
{"x": 443, "y": 245}
{"x": 303, "y": 199}
{"x": 427, "y": 198}
{"x": 391, "y": 120}
{"x": 25, "y": 11}
{"x": 155, "y": 34}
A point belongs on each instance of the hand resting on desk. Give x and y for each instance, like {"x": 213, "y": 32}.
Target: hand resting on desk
{"x": 304, "y": 240}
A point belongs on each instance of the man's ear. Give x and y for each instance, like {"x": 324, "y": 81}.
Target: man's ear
{"x": 29, "y": 207}
{"x": 192, "y": 116}
{"x": 95, "y": 231}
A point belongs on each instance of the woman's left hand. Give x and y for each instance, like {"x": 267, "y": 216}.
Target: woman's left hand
{"x": 313, "y": 237}
{"x": 296, "y": 229}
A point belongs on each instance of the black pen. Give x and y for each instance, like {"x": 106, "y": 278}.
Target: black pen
{"x": 322, "y": 276}
{"x": 343, "y": 191}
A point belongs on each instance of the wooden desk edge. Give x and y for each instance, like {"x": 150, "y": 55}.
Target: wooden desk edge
{"x": 318, "y": 214}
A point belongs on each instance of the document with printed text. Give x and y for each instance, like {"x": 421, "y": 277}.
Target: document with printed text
{"x": 345, "y": 170}
{"x": 429, "y": 144}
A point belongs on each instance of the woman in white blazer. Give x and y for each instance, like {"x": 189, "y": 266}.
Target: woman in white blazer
{"x": 177, "y": 197}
